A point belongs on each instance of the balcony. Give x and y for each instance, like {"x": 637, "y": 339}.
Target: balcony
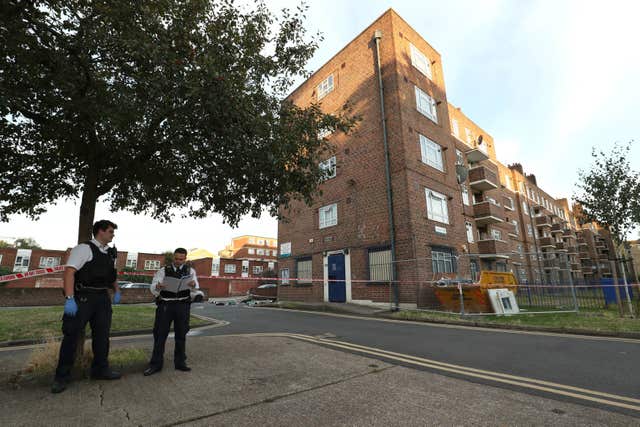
{"x": 582, "y": 242}
{"x": 547, "y": 242}
{"x": 561, "y": 246}
{"x": 576, "y": 267}
{"x": 543, "y": 221}
{"x": 584, "y": 255}
{"x": 486, "y": 213}
{"x": 549, "y": 264}
{"x": 493, "y": 249}
{"x": 572, "y": 250}
{"x": 569, "y": 234}
{"x": 557, "y": 228}
{"x": 482, "y": 179}
{"x": 476, "y": 155}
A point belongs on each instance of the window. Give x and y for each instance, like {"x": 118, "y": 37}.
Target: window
{"x": 496, "y": 234}
{"x": 271, "y": 265}
{"x": 329, "y": 167}
{"x": 508, "y": 205}
{"x": 325, "y": 87}
{"x": 245, "y": 268}
{"x": 465, "y": 195}
{"x": 284, "y": 275}
{"x": 473, "y": 266}
{"x": 525, "y": 208}
{"x": 131, "y": 263}
{"x": 261, "y": 242}
{"x": 420, "y": 61}
{"x": 529, "y": 230}
{"x": 459, "y": 157}
{"x": 49, "y": 261}
{"x": 520, "y": 250}
{"x": 437, "y": 206}
{"x": 251, "y": 251}
{"x": 508, "y": 182}
{"x": 469, "y": 135}
{"x": 303, "y": 268}
{"x": 521, "y": 184}
{"x": 151, "y": 264}
{"x": 455, "y": 128}
{"x": 493, "y": 201}
{"x": 215, "y": 267}
{"x": 252, "y": 240}
{"x": 431, "y": 153}
{"x": 442, "y": 261}
{"x": 469, "y": 228}
{"x": 260, "y": 251}
{"x": 229, "y": 268}
{"x": 0, "y": 259}
{"x": 328, "y": 215}
{"x": 257, "y": 269}
{"x": 21, "y": 262}
{"x": 380, "y": 265}
{"x": 275, "y": 253}
{"x": 426, "y": 105}
{"x": 516, "y": 231}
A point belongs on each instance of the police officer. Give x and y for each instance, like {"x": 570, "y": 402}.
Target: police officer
{"x": 89, "y": 273}
{"x": 172, "y": 307}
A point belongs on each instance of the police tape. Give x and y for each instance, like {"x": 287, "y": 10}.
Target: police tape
{"x": 32, "y": 273}
{"x": 435, "y": 282}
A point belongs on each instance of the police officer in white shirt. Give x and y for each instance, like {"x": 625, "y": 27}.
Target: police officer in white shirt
{"x": 89, "y": 273}
{"x": 172, "y": 307}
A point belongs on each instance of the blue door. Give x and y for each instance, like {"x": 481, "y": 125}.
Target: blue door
{"x": 337, "y": 286}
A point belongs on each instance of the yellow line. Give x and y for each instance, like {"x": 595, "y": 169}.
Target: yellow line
{"x": 524, "y": 382}
{"x": 472, "y": 328}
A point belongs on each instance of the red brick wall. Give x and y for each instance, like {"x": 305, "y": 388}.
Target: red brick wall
{"x": 23, "y": 297}
{"x": 8, "y": 257}
{"x": 310, "y": 293}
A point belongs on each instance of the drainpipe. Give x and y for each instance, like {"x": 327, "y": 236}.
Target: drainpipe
{"x": 394, "y": 285}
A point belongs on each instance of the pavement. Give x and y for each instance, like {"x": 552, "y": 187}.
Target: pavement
{"x": 285, "y": 380}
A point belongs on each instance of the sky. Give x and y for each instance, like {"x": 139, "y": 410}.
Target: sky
{"x": 547, "y": 79}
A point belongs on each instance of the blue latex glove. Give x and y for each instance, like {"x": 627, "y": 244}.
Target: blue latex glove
{"x": 116, "y": 298}
{"x": 70, "y": 307}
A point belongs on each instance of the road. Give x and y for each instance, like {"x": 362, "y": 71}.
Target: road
{"x": 599, "y": 372}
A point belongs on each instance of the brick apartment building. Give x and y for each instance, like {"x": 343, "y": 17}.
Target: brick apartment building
{"x": 246, "y": 256}
{"x": 495, "y": 219}
{"x": 22, "y": 260}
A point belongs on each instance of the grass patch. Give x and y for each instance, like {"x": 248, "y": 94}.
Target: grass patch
{"x": 586, "y": 321}
{"x": 46, "y": 322}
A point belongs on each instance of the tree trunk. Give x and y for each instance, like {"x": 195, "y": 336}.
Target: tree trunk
{"x": 85, "y": 233}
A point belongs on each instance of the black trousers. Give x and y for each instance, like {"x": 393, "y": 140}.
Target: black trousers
{"x": 94, "y": 308}
{"x": 177, "y": 312}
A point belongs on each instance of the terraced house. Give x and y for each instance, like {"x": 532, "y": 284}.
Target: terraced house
{"x": 420, "y": 198}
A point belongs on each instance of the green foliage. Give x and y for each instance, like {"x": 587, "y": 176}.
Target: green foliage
{"x": 5, "y": 244}
{"x": 609, "y": 192}
{"x": 168, "y": 257}
{"x": 156, "y": 106}
{"x": 26, "y": 243}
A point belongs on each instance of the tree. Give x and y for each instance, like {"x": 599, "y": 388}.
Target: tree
{"x": 5, "y": 244}
{"x": 156, "y": 107}
{"x": 609, "y": 194}
{"x": 26, "y": 243}
{"x": 168, "y": 257}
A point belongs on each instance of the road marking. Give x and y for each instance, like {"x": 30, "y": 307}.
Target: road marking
{"x": 472, "y": 328}
{"x": 524, "y": 382}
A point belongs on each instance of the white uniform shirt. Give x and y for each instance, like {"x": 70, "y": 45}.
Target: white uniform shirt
{"x": 159, "y": 277}
{"x": 82, "y": 254}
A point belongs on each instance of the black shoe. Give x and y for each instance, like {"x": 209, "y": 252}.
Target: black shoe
{"x": 183, "y": 368}
{"x": 58, "y": 386}
{"x": 110, "y": 375}
{"x": 151, "y": 370}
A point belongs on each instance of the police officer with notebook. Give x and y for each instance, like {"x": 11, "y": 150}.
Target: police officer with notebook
{"x": 90, "y": 272}
{"x": 172, "y": 306}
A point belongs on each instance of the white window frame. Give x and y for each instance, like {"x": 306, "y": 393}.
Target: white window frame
{"x": 469, "y": 135}
{"x": 325, "y": 87}
{"x": 444, "y": 260}
{"x": 307, "y": 277}
{"x": 525, "y": 209}
{"x": 260, "y": 252}
{"x": 469, "y": 228}
{"x": 496, "y": 234}
{"x": 511, "y": 205}
{"x": 229, "y": 268}
{"x": 529, "y": 230}
{"x": 251, "y": 251}
{"x": 284, "y": 276}
{"x": 431, "y": 153}
{"x": 328, "y": 221}
{"x": 433, "y": 197}
{"x": 516, "y": 227}
{"x": 380, "y": 271}
{"x": 508, "y": 182}
{"x": 329, "y": 165}
{"x": 252, "y": 240}
{"x": 261, "y": 242}
{"x": 465, "y": 195}
{"x": 49, "y": 261}
{"x": 420, "y": 61}
{"x": 455, "y": 128}
{"x": 151, "y": 264}
{"x": 426, "y": 105}
{"x": 257, "y": 269}
{"x": 274, "y": 252}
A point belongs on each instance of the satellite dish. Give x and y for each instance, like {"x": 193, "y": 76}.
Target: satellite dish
{"x": 461, "y": 173}
{"x": 480, "y": 140}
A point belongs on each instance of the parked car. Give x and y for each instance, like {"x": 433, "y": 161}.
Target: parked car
{"x": 135, "y": 286}
{"x": 265, "y": 291}
{"x": 122, "y": 283}
{"x": 197, "y": 295}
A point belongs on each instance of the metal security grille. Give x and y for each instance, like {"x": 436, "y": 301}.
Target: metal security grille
{"x": 380, "y": 265}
